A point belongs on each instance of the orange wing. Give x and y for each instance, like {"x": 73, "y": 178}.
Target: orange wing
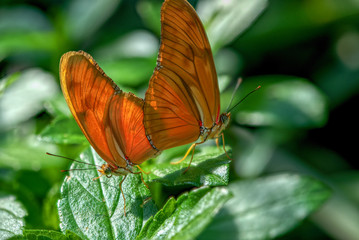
{"x": 124, "y": 127}
{"x": 183, "y": 91}
{"x": 92, "y": 96}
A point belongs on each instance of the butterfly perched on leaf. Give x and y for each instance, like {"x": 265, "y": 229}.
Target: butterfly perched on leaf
{"x": 181, "y": 105}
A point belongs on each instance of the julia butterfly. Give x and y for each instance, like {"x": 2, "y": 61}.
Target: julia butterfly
{"x": 181, "y": 104}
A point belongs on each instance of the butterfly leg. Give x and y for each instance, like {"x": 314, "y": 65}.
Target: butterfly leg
{"x": 185, "y": 156}
{"x": 142, "y": 179}
{"x": 217, "y": 143}
{"x": 191, "y": 159}
{"x": 94, "y": 179}
{"x": 224, "y": 148}
{"x": 139, "y": 168}
{"x": 123, "y": 195}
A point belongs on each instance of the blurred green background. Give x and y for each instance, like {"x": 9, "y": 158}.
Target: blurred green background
{"x": 304, "y": 54}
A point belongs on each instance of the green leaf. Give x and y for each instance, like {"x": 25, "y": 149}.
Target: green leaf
{"x": 95, "y": 209}
{"x": 12, "y": 215}
{"x": 85, "y": 17}
{"x": 187, "y": 216}
{"x": 129, "y": 71}
{"x": 209, "y": 167}
{"x": 22, "y": 18}
{"x": 49, "y": 208}
{"x": 267, "y": 207}
{"x": 149, "y": 11}
{"x": 34, "y": 234}
{"x": 13, "y": 42}
{"x": 63, "y": 130}
{"x": 25, "y": 96}
{"x": 28, "y": 153}
{"x": 282, "y": 101}
{"x": 226, "y": 21}
{"x": 57, "y": 106}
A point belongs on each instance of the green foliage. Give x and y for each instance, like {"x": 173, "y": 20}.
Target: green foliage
{"x": 210, "y": 167}
{"x": 259, "y": 206}
{"x": 187, "y": 216}
{"x": 285, "y": 140}
{"x": 95, "y": 209}
{"x": 12, "y": 215}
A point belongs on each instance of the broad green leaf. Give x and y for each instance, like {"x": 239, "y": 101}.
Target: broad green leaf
{"x": 150, "y": 13}
{"x": 282, "y": 101}
{"x": 186, "y": 217}
{"x": 85, "y": 17}
{"x": 49, "y": 208}
{"x": 209, "y": 167}
{"x": 12, "y": 215}
{"x": 24, "y": 97}
{"x": 35, "y": 234}
{"x": 267, "y": 207}
{"x": 130, "y": 71}
{"x": 7, "y": 81}
{"x": 95, "y": 209}
{"x": 139, "y": 44}
{"x": 19, "y": 42}
{"x": 226, "y": 20}
{"x": 24, "y": 18}
{"x": 28, "y": 153}
{"x": 63, "y": 130}
{"x": 57, "y": 106}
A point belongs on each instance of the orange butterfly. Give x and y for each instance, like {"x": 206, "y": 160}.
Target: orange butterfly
{"x": 182, "y": 102}
{"x": 111, "y": 120}
{"x": 181, "y": 105}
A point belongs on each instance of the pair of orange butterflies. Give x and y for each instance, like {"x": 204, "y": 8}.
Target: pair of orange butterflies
{"x": 181, "y": 104}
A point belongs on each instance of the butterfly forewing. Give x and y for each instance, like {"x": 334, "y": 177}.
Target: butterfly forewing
{"x": 87, "y": 89}
{"x": 184, "y": 86}
{"x": 111, "y": 120}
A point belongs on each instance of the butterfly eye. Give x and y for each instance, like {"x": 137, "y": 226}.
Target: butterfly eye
{"x": 224, "y": 118}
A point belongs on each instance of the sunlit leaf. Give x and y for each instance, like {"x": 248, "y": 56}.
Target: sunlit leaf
{"x": 24, "y": 98}
{"x": 209, "y": 167}
{"x": 85, "y": 17}
{"x": 63, "y": 130}
{"x": 137, "y": 44}
{"x": 12, "y": 215}
{"x": 57, "y": 106}
{"x": 28, "y": 153}
{"x": 267, "y": 207}
{"x": 36, "y": 234}
{"x": 226, "y": 20}
{"x": 187, "y": 216}
{"x": 95, "y": 209}
{"x": 129, "y": 72}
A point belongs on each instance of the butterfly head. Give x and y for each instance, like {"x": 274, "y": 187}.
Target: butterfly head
{"x": 224, "y": 119}
{"x": 220, "y": 125}
{"x": 108, "y": 170}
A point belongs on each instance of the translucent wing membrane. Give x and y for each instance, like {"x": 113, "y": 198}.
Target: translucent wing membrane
{"x": 183, "y": 91}
{"x": 87, "y": 89}
{"x": 111, "y": 120}
{"x": 124, "y": 128}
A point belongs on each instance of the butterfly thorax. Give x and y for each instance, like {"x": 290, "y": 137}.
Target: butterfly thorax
{"x": 108, "y": 170}
{"x": 217, "y": 128}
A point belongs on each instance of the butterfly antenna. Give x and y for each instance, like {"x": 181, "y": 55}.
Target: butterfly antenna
{"x": 69, "y": 170}
{"x": 234, "y": 91}
{"x": 71, "y": 159}
{"x": 248, "y": 94}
